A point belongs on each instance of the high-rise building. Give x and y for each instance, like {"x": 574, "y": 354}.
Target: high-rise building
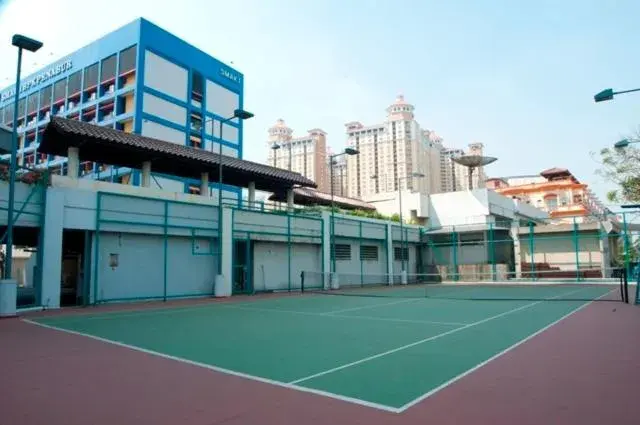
{"x": 139, "y": 79}
{"x": 389, "y": 153}
{"x": 306, "y": 155}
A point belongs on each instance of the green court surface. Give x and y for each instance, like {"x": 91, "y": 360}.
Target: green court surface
{"x": 383, "y": 352}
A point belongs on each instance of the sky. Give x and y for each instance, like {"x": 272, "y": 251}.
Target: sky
{"x": 518, "y": 77}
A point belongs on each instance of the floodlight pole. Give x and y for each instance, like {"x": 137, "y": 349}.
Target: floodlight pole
{"x": 8, "y": 260}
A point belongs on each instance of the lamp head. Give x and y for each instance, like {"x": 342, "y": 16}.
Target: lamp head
{"x": 242, "y": 114}
{"x": 604, "y": 95}
{"x": 26, "y": 43}
{"x": 621, "y": 144}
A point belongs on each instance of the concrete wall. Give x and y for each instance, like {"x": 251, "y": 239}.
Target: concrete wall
{"x": 140, "y": 271}
{"x": 271, "y": 260}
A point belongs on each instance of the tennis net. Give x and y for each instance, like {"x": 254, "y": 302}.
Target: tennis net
{"x": 434, "y": 286}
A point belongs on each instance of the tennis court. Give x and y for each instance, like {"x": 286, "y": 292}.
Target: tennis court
{"x": 383, "y": 347}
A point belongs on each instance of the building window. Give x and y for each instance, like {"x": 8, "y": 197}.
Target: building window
{"x": 341, "y": 252}
{"x": 127, "y": 67}
{"x": 90, "y": 82}
{"x": 401, "y": 253}
{"x": 197, "y": 88}
{"x": 108, "y": 75}
{"x": 127, "y": 60}
{"x": 32, "y": 104}
{"x": 369, "y": 253}
{"x": 74, "y": 88}
{"x": 551, "y": 202}
{"x": 21, "y": 108}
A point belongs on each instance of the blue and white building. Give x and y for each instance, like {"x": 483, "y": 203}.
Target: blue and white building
{"x": 139, "y": 79}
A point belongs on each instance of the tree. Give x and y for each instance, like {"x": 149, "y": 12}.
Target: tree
{"x": 622, "y": 167}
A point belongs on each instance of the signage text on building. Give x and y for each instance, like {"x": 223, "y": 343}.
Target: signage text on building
{"x": 39, "y": 79}
{"x": 230, "y": 75}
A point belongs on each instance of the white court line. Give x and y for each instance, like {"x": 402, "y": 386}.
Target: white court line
{"x": 503, "y": 352}
{"x": 422, "y": 341}
{"x": 344, "y": 316}
{"x": 223, "y": 370}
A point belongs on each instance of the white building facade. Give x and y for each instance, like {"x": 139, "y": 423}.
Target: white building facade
{"x": 306, "y": 155}
{"x": 389, "y": 153}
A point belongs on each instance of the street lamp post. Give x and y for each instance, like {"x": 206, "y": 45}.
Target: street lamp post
{"x": 242, "y": 115}
{"x": 347, "y": 151}
{"x": 607, "y": 94}
{"x": 22, "y": 43}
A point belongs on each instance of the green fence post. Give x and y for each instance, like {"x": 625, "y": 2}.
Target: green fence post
{"x": 165, "y": 252}
{"x": 625, "y": 241}
{"x": 248, "y": 265}
{"x": 96, "y": 258}
{"x": 360, "y": 250}
{"x": 576, "y": 246}
{"x": 531, "y": 252}
{"x": 492, "y": 258}
{"x": 322, "y": 252}
{"x": 43, "y": 211}
{"x": 454, "y": 237}
{"x": 289, "y": 249}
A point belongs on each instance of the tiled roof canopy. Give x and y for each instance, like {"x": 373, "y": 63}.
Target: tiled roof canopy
{"x": 306, "y": 196}
{"x": 114, "y": 147}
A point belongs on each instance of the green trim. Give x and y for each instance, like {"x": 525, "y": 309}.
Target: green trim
{"x": 295, "y": 235}
{"x": 162, "y": 225}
